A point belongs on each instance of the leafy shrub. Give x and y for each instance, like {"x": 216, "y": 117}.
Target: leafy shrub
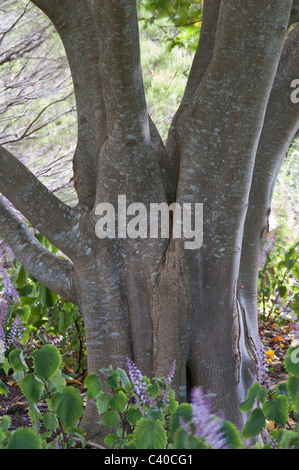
{"x": 278, "y": 288}
{"x": 46, "y": 383}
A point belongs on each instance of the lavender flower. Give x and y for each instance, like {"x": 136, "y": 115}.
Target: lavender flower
{"x": 58, "y": 444}
{"x": 171, "y": 374}
{"x": 262, "y": 365}
{"x": 9, "y": 290}
{"x": 273, "y": 443}
{"x": 16, "y": 332}
{"x": 9, "y": 294}
{"x": 207, "y": 425}
{"x": 168, "y": 382}
{"x": 139, "y": 386}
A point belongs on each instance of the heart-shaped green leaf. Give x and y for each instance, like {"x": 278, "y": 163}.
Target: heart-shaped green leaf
{"x": 68, "y": 405}
{"x": 277, "y": 410}
{"x": 46, "y": 361}
{"x": 24, "y": 438}
{"x": 255, "y": 424}
{"x": 150, "y": 434}
{"x": 31, "y": 387}
{"x": 93, "y": 385}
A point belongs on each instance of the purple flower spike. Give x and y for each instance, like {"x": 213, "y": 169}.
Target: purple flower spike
{"x": 207, "y": 425}
{"x": 171, "y": 374}
{"x": 262, "y": 365}
{"x": 168, "y": 382}
{"x": 139, "y": 386}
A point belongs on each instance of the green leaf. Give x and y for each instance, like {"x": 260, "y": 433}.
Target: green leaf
{"x": 282, "y": 389}
{"x": 277, "y": 410}
{"x": 255, "y": 424}
{"x": 232, "y": 435}
{"x": 293, "y": 389}
{"x": 118, "y": 402}
{"x": 80, "y": 434}
{"x": 32, "y": 387}
{"x": 21, "y": 277}
{"x": 289, "y": 439}
{"x": 150, "y": 434}
{"x": 17, "y": 360}
{"x": 129, "y": 445}
{"x": 50, "y": 421}
{"x": 183, "y": 440}
{"x": 156, "y": 413}
{"x": 172, "y": 405}
{"x": 5, "y": 366}
{"x": 291, "y": 361}
{"x": 93, "y": 384}
{"x": 262, "y": 395}
{"x": 110, "y": 439}
{"x": 106, "y": 371}
{"x": 133, "y": 414}
{"x": 123, "y": 377}
{"x": 3, "y": 389}
{"x": 18, "y": 377}
{"x": 5, "y": 423}
{"x": 57, "y": 383}
{"x": 102, "y": 401}
{"x": 24, "y": 438}
{"x": 46, "y": 361}
{"x": 282, "y": 290}
{"x": 68, "y": 405}
{"x": 153, "y": 390}
{"x": 35, "y": 416}
{"x": 65, "y": 320}
{"x": 25, "y": 312}
{"x": 47, "y": 297}
{"x": 184, "y": 412}
{"x": 111, "y": 418}
{"x": 113, "y": 379}
{"x": 252, "y": 394}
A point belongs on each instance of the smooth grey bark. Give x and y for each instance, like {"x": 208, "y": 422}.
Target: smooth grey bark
{"x": 201, "y": 61}
{"x": 277, "y": 135}
{"x": 150, "y": 299}
{"x": 55, "y": 273}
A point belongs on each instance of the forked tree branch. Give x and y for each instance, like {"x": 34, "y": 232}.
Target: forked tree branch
{"x": 55, "y": 273}
{"x": 44, "y": 210}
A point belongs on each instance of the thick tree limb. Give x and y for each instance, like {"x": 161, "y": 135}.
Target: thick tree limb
{"x": 205, "y": 48}
{"x": 55, "y": 273}
{"x": 224, "y": 121}
{"x": 75, "y": 26}
{"x": 202, "y": 58}
{"x": 218, "y": 136}
{"x": 117, "y": 28}
{"x": 280, "y": 126}
{"x": 44, "y": 210}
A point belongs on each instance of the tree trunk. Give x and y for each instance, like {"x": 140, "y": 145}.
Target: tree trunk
{"x": 152, "y": 299}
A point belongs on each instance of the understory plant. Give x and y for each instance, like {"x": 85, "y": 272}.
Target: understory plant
{"x": 143, "y": 413}
{"x": 42, "y": 383}
{"x": 278, "y": 288}
{"x": 32, "y": 315}
{"x": 38, "y": 338}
